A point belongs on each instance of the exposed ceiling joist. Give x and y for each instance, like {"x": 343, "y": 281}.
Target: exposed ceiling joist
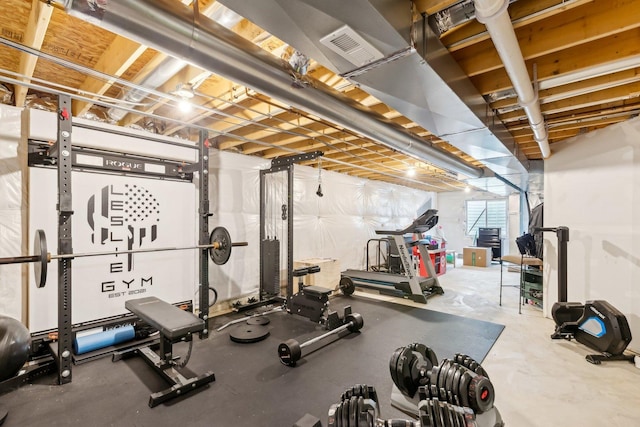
{"x": 115, "y": 60}
{"x": 560, "y": 32}
{"x": 585, "y": 53}
{"x": 432, "y": 6}
{"x": 39, "y": 19}
{"x": 522, "y": 12}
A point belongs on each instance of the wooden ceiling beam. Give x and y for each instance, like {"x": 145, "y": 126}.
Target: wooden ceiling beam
{"x": 245, "y": 29}
{"x": 272, "y": 126}
{"x": 228, "y": 113}
{"x": 523, "y": 135}
{"x": 581, "y": 25}
{"x": 431, "y": 7}
{"x": 229, "y": 125}
{"x": 347, "y": 144}
{"x": 605, "y": 50}
{"x": 187, "y": 75}
{"x": 380, "y": 162}
{"x": 584, "y": 114}
{"x": 577, "y": 88}
{"x": 522, "y": 12}
{"x": 114, "y": 61}
{"x": 618, "y": 93}
{"x": 39, "y": 19}
{"x": 316, "y": 133}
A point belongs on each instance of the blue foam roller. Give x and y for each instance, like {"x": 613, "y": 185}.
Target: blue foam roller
{"x": 104, "y": 339}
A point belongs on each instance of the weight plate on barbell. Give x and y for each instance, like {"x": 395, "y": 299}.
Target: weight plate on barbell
{"x": 220, "y": 237}
{"x": 40, "y": 267}
{"x": 346, "y": 285}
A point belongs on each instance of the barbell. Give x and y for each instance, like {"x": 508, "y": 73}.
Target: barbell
{"x": 219, "y": 250}
{"x": 290, "y": 351}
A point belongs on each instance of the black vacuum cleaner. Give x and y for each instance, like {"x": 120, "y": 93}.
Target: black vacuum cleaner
{"x": 596, "y": 324}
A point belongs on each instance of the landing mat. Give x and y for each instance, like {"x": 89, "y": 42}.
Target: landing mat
{"x": 252, "y": 387}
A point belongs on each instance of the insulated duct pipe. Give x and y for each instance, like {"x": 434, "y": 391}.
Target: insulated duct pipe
{"x": 163, "y": 72}
{"x": 171, "y": 27}
{"x": 171, "y": 66}
{"x": 493, "y": 14}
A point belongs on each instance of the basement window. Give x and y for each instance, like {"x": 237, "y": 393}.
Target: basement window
{"x": 486, "y": 213}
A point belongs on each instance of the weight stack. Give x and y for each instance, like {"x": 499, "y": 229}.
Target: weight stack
{"x": 270, "y": 271}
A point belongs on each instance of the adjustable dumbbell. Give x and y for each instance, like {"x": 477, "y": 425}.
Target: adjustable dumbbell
{"x": 461, "y": 381}
{"x": 358, "y": 407}
{"x": 290, "y": 351}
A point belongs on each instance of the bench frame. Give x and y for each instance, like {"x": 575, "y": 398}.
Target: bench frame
{"x": 163, "y": 362}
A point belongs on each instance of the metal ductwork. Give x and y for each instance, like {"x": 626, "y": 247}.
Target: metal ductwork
{"x": 395, "y": 56}
{"x": 171, "y": 66}
{"x": 171, "y": 27}
{"x": 163, "y": 72}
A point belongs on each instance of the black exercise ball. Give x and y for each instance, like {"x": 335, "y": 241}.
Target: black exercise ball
{"x": 15, "y": 342}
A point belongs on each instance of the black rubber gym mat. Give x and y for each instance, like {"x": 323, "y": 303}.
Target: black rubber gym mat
{"x": 252, "y": 387}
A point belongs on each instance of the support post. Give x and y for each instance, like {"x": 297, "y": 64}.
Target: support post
{"x": 263, "y": 216}
{"x": 563, "y": 237}
{"x": 65, "y": 211}
{"x": 289, "y": 231}
{"x": 203, "y": 146}
{"x": 562, "y": 233}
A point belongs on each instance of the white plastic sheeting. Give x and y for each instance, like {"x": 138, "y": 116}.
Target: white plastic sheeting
{"x": 11, "y": 208}
{"x": 114, "y": 213}
{"x": 335, "y": 226}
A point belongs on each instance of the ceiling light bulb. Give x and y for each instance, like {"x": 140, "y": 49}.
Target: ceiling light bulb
{"x": 411, "y": 172}
{"x": 184, "y": 91}
{"x": 184, "y": 106}
{"x": 467, "y": 189}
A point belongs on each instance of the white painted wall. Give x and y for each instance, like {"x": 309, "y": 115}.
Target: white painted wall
{"x": 592, "y": 186}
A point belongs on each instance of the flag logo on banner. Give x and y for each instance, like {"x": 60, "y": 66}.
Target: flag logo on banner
{"x": 123, "y": 217}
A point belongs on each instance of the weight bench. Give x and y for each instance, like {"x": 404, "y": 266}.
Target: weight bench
{"x": 309, "y": 301}
{"x": 174, "y": 325}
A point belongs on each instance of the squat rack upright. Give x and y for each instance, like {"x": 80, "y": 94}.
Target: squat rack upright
{"x": 61, "y": 349}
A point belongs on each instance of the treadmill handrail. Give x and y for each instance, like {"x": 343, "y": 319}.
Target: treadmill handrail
{"x": 423, "y": 223}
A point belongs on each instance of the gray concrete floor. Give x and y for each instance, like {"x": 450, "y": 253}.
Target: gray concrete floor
{"x": 538, "y": 381}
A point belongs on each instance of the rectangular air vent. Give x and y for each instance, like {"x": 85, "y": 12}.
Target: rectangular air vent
{"x": 351, "y": 46}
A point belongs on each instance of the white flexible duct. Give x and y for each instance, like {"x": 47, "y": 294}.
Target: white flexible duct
{"x": 493, "y": 14}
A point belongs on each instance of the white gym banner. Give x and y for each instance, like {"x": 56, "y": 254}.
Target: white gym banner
{"x": 114, "y": 213}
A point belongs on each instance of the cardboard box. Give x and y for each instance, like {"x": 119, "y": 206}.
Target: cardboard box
{"x": 328, "y": 277}
{"x": 476, "y": 257}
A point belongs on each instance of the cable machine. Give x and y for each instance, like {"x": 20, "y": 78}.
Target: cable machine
{"x": 276, "y": 224}
{"x": 271, "y": 246}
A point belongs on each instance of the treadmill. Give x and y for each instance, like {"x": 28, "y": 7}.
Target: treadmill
{"x": 407, "y": 285}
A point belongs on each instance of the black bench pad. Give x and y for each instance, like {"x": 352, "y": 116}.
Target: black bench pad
{"x": 168, "y": 319}
{"x": 316, "y": 290}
